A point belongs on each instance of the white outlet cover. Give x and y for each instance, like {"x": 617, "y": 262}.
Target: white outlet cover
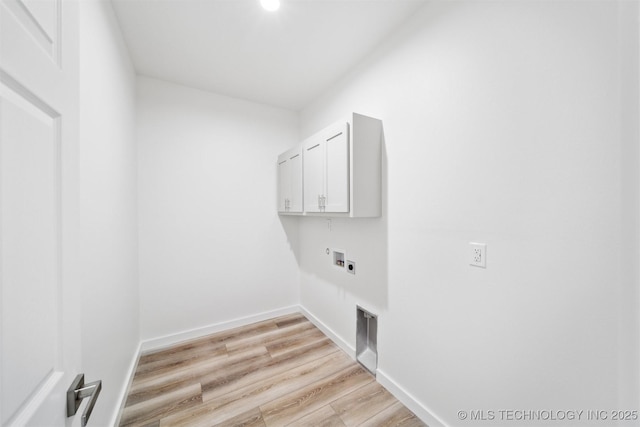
{"x": 478, "y": 254}
{"x": 351, "y": 267}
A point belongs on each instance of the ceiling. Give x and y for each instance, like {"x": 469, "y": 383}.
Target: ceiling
{"x": 236, "y": 48}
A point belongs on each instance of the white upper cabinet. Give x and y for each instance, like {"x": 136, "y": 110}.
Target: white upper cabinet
{"x": 326, "y": 170}
{"x": 290, "y": 181}
{"x": 341, "y": 170}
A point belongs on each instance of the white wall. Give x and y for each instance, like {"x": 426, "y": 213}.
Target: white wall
{"x": 108, "y": 209}
{"x": 514, "y": 124}
{"x": 629, "y": 39}
{"x": 212, "y": 247}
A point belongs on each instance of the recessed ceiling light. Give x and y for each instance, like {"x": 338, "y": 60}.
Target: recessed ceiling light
{"x": 270, "y": 5}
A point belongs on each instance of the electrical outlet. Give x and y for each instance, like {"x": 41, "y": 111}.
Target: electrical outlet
{"x": 478, "y": 254}
{"x": 351, "y": 267}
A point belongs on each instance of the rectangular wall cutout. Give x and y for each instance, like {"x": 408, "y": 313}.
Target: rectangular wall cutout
{"x": 367, "y": 339}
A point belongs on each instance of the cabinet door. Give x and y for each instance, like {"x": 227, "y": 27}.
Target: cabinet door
{"x": 284, "y": 182}
{"x": 295, "y": 177}
{"x": 313, "y": 172}
{"x": 336, "y": 192}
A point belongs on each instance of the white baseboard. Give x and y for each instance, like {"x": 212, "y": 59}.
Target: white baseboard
{"x": 409, "y": 401}
{"x": 337, "y": 339}
{"x": 124, "y": 391}
{"x": 172, "y": 339}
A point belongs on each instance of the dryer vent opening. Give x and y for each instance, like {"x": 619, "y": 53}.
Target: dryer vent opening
{"x": 367, "y": 339}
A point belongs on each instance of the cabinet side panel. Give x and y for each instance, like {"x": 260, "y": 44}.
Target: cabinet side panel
{"x": 366, "y": 167}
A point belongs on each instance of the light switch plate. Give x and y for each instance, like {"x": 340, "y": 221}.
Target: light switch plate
{"x": 478, "y": 254}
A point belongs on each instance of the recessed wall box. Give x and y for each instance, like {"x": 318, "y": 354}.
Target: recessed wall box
{"x": 338, "y": 258}
{"x": 367, "y": 339}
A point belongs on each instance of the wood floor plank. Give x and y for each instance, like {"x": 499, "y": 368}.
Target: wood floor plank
{"x": 323, "y": 417}
{"x": 287, "y": 382}
{"x": 186, "y": 355}
{"x": 254, "y": 394}
{"x": 287, "y": 343}
{"x": 255, "y": 329}
{"x": 396, "y": 415}
{"x": 199, "y": 368}
{"x": 303, "y": 349}
{"x": 144, "y": 394}
{"x": 269, "y": 336}
{"x": 311, "y": 353}
{"x": 186, "y": 361}
{"x": 289, "y": 320}
{"x": 183, "y": 350}
{"x": 297, "y": 404}
{"x": 218, "y": 338}
{"x": 281, "y": 371}
{"x": 251, "y": 418}
{"x": 359, "y": 405}
{"x": 234, "y": 372}
{"x": 152, "y": 410}
{"x": 196, "y": 372}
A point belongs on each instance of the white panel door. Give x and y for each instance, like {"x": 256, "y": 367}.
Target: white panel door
{"x": 39, "y": 293}
{"x": 337, "y": 169}
{"x": 313, "y": 151}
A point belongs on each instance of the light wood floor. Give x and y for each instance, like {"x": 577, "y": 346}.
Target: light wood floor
{"x": 280, "y": 372}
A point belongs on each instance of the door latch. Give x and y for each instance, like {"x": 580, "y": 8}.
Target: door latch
{"x": 78, "y": 391}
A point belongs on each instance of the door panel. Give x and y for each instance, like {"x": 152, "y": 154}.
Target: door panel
{"x": 295, "y": 169}
{"x": 30, "y": 249}
{"x": 39, "y": 19}
{"x": 283, "y": 183}
{"x": 313, "y": 151}
{"x": 44, "y": 12}
{"x": 337, "y": 169}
